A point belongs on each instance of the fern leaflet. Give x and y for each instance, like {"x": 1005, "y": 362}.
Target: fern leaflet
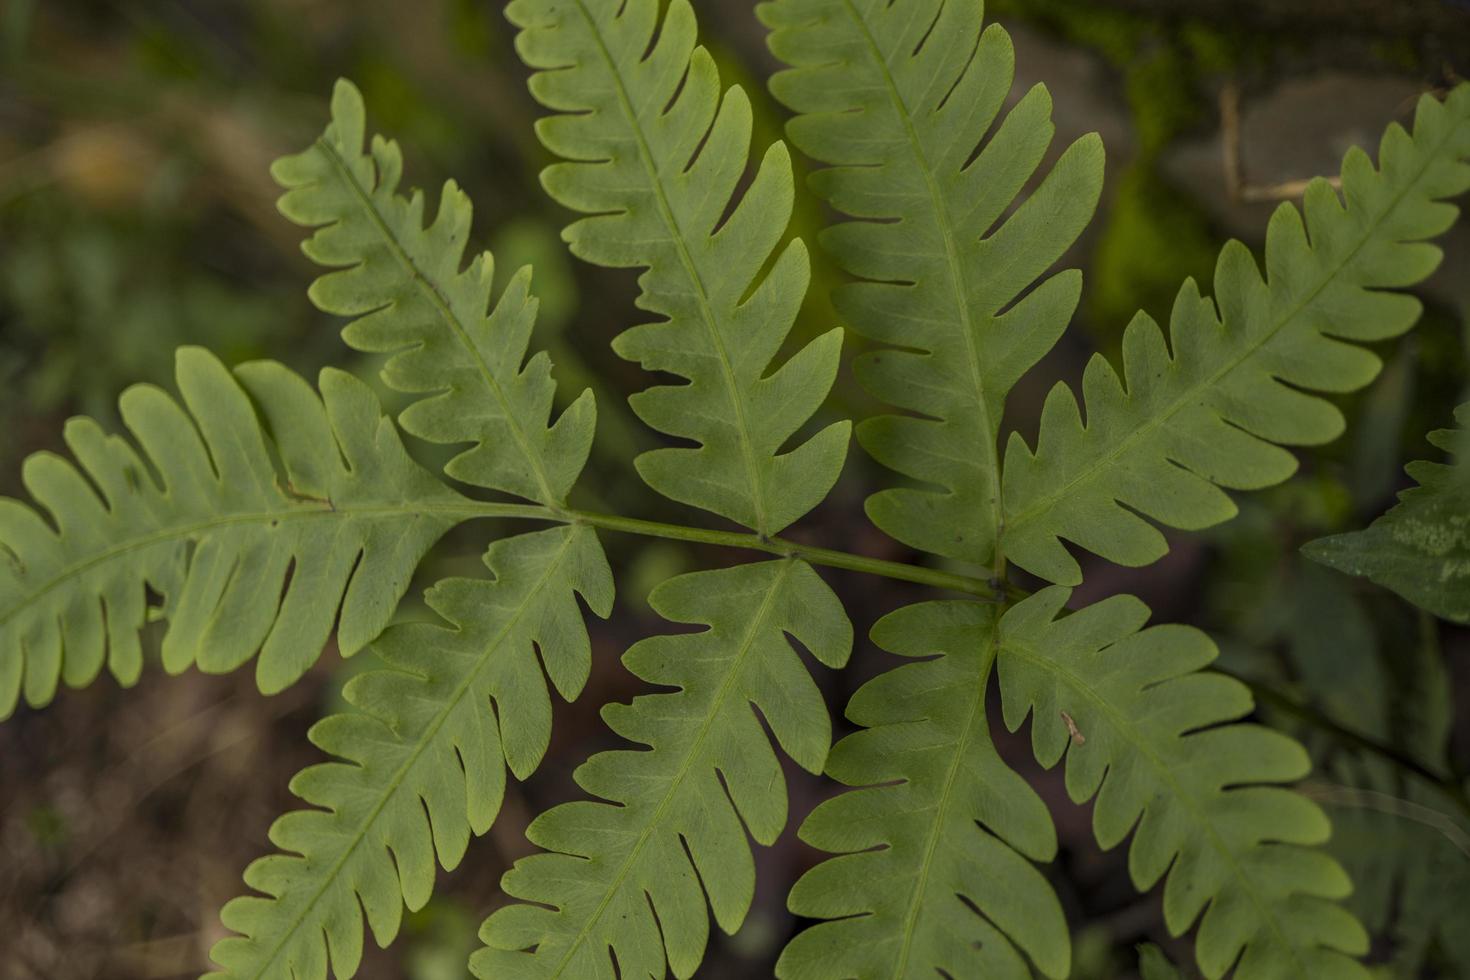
{"x": 621, "y": 893}
{"x": 1129, "y": 709}
{"x": 1209, "y": 409}
{"x": 899, "y": 96}
{"x": 654, "y": 154}
{"x": 1420, "y": 548}
{"x": 250, "y": 554}
{"x": 928, "y": 881}
{"x": 404, "y": 283}
{"x": 424, "y": 756}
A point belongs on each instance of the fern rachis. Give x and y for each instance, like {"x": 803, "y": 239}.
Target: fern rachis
{"x": 264, "y": 512}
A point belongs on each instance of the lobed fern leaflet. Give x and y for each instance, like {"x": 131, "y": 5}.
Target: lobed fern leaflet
{"x": 1146, "y": 735}
{"x": 254, "y": 535}
{"x": 404, "y": 283}
{"x": 1420, "y": 548}
{"x": 424, "y": 756}
{"x": 933, "y": 876}
{"x": 653, "y": 154}
{"x": 900, "y": 98}
{"x": 623, "y": 892}
{"x": 1209, "y": 408}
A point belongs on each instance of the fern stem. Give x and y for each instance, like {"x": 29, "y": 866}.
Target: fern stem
{"x": 781, "y": 547}
{"x": 789, "y": 549}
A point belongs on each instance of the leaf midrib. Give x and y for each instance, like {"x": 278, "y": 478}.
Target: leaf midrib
{"x": 990, "y": 462}
{"x": 446, "y": 312}
{"x": 706, "y": 307}
{"x": 422, "y": 745}
{"x": 182, "y": 531}
{"x": 1165, "y": 773}
{"x": 1045, "y": 502}
{"x": 736, "y": 666}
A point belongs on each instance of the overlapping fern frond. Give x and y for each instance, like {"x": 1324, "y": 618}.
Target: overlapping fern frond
{"x": 404, "y": 283}
{"x": 1420, "y": 548}
{"x": 1152, "y": 739}
{"x": 653, "y": 153}
{"x": 257, "y": 510}
{"x": 622, "y": 893}
{"x": 901, "y": 99}
{"x": 1212, "y": 406}
{"x": 423, "y": 756}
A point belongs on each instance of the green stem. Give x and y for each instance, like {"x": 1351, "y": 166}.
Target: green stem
{"x": 741, "y": 539}
{"x": 791, "y": 549}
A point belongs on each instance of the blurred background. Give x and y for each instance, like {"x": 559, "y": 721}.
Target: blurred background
{"x": 137, "y": 214}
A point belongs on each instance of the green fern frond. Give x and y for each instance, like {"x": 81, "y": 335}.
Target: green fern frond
{"x": 255, "y": 541}
{"x": 1421, "y": 548}
{"x": 654, "y": 155}
{"x": 404, "y": 283}
{"x": 929, "y": 881}
{"x": 424, "y": 756}
{"x": 1212, "y": 407}
{"x": 1149, "y": 736}
{"x": 627, "y": 879}
{"x": 900, "y": 97}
